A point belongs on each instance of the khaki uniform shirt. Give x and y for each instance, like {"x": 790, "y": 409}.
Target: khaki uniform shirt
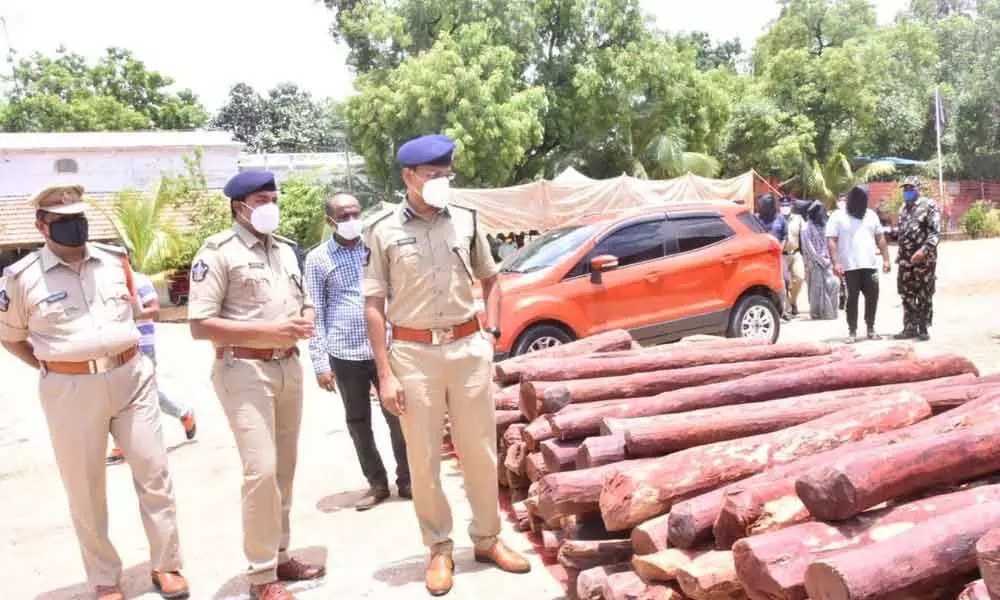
{"x": 426, "y": 268}
{"x": 66, "y": 315}
{"x": 795, "y": 226}
{"x": 237, "y": 276}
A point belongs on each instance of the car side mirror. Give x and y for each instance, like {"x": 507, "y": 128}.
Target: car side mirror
{"x": 601, "y": 264}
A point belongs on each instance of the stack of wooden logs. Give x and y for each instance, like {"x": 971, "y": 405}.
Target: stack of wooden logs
{"x": 718, "y": 469}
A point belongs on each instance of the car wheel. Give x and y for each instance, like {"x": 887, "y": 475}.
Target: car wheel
{"x": 540, "y": 337}
{"x": 755, "y": 317}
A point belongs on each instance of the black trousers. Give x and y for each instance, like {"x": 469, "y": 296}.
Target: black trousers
{"x": 861, "y": 282}
{"x": 354, "y": 380}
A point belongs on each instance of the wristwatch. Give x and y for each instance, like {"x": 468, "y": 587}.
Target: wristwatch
{"x": 494, "y": 331}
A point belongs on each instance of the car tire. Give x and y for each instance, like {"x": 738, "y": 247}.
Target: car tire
{"x": 539, "y": 337}
{"x": 755, "y": 317}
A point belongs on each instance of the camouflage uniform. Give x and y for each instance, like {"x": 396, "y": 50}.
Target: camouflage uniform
{"x": 919, "y": 228}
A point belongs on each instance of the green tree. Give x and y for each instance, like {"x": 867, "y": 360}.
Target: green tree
{"x": 302, "y": 202}
{"x": 65, "y": 93}
{"x": 287, "y": 119}
{"x": 710, "y": 56}
{"x": 527, "y": 87}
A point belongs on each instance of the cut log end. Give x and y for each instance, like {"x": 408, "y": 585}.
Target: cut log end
{"x": 623, "y": 586}
{"x": 740, "y": 509}
{"x": 590, "y": 583}
{"x": 974, "y": 591}
{"x": 651, "y": 536}
{"x": 825, "y": 582}
{"x": 600, "y": 450}
{"x": 988, "y": 559}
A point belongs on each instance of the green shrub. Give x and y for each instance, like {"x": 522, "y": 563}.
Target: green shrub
{"x": 981, "y": 221}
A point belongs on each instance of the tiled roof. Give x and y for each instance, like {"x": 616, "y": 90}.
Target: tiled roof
{"x": 119, "y": 140}
{"x": 17, "y": 221}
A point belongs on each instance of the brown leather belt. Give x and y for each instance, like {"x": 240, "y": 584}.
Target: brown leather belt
{"x": 436, "y": 336}
{"x": 89, "y": 367}
{"x": 256, "y": 353}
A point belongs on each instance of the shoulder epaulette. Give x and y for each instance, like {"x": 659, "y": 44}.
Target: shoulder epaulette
{"x": 284, "y": 240}
{"x": 216, "y": 240}
{"x": 475, "y": 224}
{"x": 112, "y": 248}
{"x": 17, "y": 268}
{"x": 380, "y": 218}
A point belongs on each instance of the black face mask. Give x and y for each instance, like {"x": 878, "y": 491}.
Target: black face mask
{"x": 71, "y": 233}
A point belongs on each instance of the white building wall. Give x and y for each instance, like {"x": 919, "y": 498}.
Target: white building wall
{"x": 24, "y": 172}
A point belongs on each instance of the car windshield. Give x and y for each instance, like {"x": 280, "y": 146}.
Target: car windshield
{"x": 548, "y": 249}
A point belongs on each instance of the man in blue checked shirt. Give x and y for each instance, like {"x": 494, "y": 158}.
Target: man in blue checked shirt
{"x": 341, "y": 355}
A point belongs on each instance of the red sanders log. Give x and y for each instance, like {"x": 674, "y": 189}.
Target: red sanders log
{"x": 590, "y": 583}
{"x": 534, "y": 467}
{"x": 679, "y": 357}
{"x": 768, "y": 501}
{"x": 942, "y": 547}
{"x": 651, "y": 536}
{"x": 639, "y": 492}
{"x": 600, "y": 450}
{"x": 559, "y": 456}
{"x": 975, "y": 591}
{"x": 662, "y": 434}
{"x": 575, "y": 492}
{"x": 550, "y": 397}
{"x": 509, "y": 371}
{"x": 537, "y": 432}
{"x": 988, "y": 560}
{"x": 711, "y": 576}
{"x": 663, "y": 566}
{"x": 857, "y": 373}
{"x": 772, "y": 565}
{"x": 508, "y": 398}
{"x": 582, "y": 555}
{"x": 859, "y": 481}
{"x": 622, "y": 586}
{"x": 660, "y": 592}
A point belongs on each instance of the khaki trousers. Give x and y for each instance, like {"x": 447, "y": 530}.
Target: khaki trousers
{"x": 81, "y": 410}
{"x": 263, "y": 402}
{"x": 453, "y": 379}
{"x": 796, "y": 276}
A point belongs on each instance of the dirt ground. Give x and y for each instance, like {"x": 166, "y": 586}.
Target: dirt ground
{"x": 376, "y": 554}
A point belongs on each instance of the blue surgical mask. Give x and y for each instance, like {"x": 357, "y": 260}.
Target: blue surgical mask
{"x": 910, "y": 195}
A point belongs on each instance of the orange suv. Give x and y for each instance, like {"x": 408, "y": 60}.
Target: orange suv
{"x": 662, "y": 273}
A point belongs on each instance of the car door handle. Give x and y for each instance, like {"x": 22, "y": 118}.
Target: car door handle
{"x": 728, "y": 259}
{"x": 653, "y": 277}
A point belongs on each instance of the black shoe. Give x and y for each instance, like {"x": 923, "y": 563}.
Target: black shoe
{"x": 906, "y": 334}
{"x": 404, "y": 491}
{"x": 852, "y": 337}
{"x": 795, "y": 311}
{"x": 374, "y": 497}
{"x": 923, "y": 336}
{"x": 872, "y": 335}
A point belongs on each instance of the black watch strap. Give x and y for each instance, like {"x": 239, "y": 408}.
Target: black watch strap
{"x": 494, "y": 331}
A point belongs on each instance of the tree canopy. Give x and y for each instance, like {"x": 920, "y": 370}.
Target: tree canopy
{"x": 116, "y": 93}
{"x": 528, "y": 88}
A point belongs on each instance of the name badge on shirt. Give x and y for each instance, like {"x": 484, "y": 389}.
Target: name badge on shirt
{"x": 406, "y": 241}
{"x": 56, "y": 297}
{"x": 256, "y": 265}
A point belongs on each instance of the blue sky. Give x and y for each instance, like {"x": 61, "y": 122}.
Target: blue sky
{"x": 207, "y": 45}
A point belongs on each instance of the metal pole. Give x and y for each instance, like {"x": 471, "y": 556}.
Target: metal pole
{"x": 937, "y": 129}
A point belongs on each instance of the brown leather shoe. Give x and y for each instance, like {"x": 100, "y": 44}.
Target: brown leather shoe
{"x": 109, "y": 592}
{"x": 270, "y": 591}
{"x": 296, "y": 570}
{"x": 438, "y": 576}
{"x": 503, "y": 557}
{"x": 374, "y": 497}
{"x": 170, "y": 584}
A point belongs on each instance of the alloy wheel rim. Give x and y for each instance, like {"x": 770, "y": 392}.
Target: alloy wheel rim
{"x": 757, "y": 322}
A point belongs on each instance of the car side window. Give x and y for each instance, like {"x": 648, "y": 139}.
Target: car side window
{"x": 698, "y": 232}
{"x": 635, "y": 243}
{"x": 752, "y": 222}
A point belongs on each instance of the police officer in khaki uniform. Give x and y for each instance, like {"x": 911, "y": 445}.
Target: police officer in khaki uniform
{"x": 247, "y": 297}
{"x": 67, "y": 310}
{"x": 422, "y": 261}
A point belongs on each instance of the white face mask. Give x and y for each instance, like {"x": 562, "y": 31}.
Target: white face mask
{"x": 786, "y": 210}
{"x": 841, "y": 204}
{"x": 350, "y": 230}
{"x": 265, "y": 218}
{"x": 437, "y": 192}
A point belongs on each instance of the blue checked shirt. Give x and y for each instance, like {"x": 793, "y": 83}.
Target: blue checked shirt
{"x": 333, "y": 278}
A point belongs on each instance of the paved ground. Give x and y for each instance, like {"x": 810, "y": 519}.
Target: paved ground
{"x": 369, "y": 555}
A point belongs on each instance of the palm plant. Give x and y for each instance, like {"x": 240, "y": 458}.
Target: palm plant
{"x": 664, "y": 157}
{"x": 836, "y": 176}
{"x": 142, "y": 223}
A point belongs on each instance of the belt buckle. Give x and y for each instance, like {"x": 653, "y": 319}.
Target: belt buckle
{"x": 102, "y": 364}
{"x": 442, "y": 336}
{"x": 277, "y": 354}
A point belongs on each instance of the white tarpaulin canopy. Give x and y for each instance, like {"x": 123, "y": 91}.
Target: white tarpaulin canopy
{"x": 571, "y": 196}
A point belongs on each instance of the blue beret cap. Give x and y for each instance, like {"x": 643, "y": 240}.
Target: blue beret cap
{"x": 786, "y": 201}
{"x": 243, "y": 184}
{"x": 433, "y": 149}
